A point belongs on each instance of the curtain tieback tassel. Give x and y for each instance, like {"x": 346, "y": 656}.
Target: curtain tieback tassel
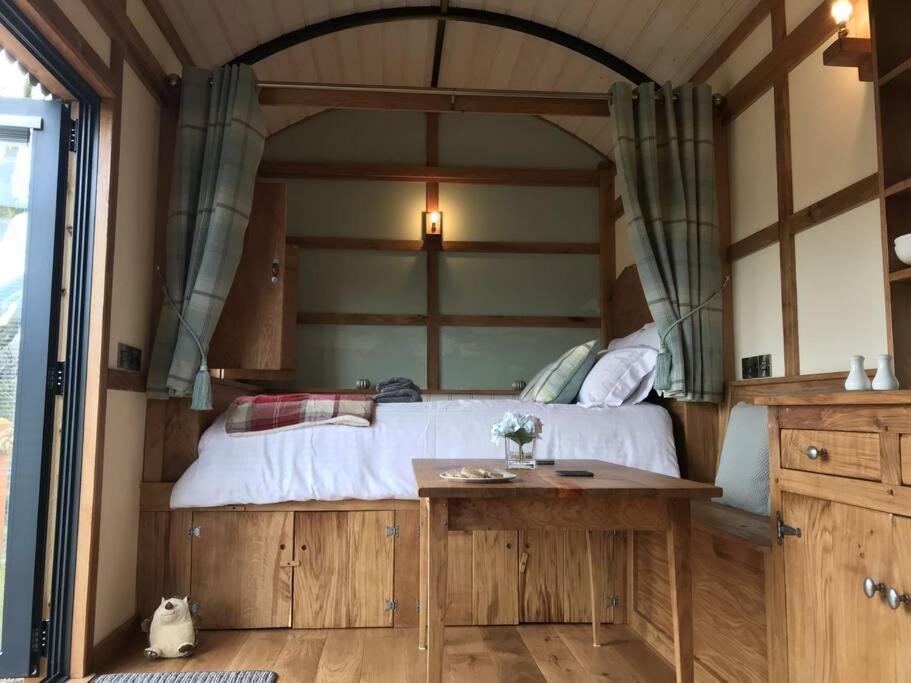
{"x": 202, "y": 384}
{"x": 664, "y": 362}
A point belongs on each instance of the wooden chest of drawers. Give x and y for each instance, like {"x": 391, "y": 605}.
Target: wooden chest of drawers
{"x": 840, "y": 585}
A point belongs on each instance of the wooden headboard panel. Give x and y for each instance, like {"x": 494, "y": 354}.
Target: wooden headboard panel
{"x": 173, "y": 431}
{"x": 630, "y": 310}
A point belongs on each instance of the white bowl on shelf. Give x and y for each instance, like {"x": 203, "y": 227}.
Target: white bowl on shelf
{"x": 903, "y": 248}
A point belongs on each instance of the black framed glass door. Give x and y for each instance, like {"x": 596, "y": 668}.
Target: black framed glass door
{"x": 33, "y": 148}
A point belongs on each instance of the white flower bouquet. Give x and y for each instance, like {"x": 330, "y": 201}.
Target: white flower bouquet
{"x": 519, "y": 432}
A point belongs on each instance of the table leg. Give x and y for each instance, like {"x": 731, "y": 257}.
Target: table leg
{"x": 678, "y": 562}
{"x": 594, "y": 579}
{"x": 422, "y": 577}
{"x": 437, "y": 585}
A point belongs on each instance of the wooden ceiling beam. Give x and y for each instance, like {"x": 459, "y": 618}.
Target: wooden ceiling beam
{"x": 788, "y": 53}
{"x": 405, "y": 99}
{"x": 115, "y": 22}
{"x": 547, "y": 177}
{"x": 170, "y": 33}
{"x": 54, "y": 25}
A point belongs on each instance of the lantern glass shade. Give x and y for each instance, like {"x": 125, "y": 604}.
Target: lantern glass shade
{"x": 842, "y": 11}
{"x": 432, "y": 225}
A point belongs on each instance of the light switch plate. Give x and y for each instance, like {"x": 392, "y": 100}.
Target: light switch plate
{"x": 129, "y": 357}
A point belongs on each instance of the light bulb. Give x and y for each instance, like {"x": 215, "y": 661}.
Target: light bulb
{"x": 842, "y": 11}
{"x": 434, "y": 219}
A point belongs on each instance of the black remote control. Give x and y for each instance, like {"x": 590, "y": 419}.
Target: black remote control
{"x": 575, "y": 473}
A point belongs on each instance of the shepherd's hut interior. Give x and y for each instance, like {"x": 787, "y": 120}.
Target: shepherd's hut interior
{"x": 455, "y": 340}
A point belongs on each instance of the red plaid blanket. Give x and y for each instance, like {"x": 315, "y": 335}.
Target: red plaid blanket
{"x": 248, "y": 414}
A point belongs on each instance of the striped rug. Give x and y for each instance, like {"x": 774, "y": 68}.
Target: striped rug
{"x": 191, "y": 677}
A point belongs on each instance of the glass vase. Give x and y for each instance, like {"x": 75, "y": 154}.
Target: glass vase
{"x": 520, "y": 456}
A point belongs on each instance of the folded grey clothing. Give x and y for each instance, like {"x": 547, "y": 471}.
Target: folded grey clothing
{"x": 397, "y": 384}
{"x": 399, "y": 396}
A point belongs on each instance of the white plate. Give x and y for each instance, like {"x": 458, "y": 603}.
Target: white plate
{"x": 507, "y": 476}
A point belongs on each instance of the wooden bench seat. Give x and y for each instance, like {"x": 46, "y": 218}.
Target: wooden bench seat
{"x": 731, "y": 551}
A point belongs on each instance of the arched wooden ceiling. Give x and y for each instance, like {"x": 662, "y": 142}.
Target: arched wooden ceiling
{"x": 665, "y": 39}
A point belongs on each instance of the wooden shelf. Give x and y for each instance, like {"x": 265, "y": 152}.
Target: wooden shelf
{"x": 902, "y": 275}
{"x": 851, "y": 52}
{"x": 238, "y": 373}
{"x": 898, "y": 188}
{"x": 897, "y": 73}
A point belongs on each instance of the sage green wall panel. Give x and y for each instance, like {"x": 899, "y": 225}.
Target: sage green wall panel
{"x": 349, "y": 135}
{"x": 492, "y": 357}
{"x": 355, "y": 208}
{"x": 362, "y": 281}
{"x": 518, "y": 284}
{"x": 510, "y": 141}
{"x": 336, "y": 356}
{"x": 530, "y": 214}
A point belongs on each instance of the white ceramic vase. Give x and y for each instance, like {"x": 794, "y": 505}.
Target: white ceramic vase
{"x": 857, "y": 377}
{"x": 885, "y": 379}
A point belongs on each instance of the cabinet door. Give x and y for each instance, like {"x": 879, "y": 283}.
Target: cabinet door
{"x": 495, "y": 573}
{"x": 901, "y": 581}
{"x": 241, "y": 569}
{"x": 836, "y": 633}
{"x": 370, "y": 553}
{"x": 321, "y": 579}
{"x": 256, "y": 329}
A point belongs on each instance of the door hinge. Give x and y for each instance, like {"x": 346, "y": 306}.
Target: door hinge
{"x": 392, "y": 531}
{"x": 194, "y": 531}
{"x": 417, "y": 605}
{"x": 782, "y": 529}
{"x": 74, "y": 126}
{"x": 390, "y": 605}
{"x": 56, "y": 375}
{"x": 613, "y": 601}
{"x": 39, "y": 638}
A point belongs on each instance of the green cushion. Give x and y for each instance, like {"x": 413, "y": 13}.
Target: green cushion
{"x": 743, "y": 472}
{"x": 560, "y": 381}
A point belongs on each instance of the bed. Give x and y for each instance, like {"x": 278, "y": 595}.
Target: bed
{"x": 335, "y": 462}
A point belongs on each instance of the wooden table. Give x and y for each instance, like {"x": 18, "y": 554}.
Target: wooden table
{"x": 616, "y": 498}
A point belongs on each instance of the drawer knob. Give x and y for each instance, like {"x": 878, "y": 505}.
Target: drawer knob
{"x": 813, "y": 453}
{"x": 871, "y": 588}
{"x": 895, "y": 599}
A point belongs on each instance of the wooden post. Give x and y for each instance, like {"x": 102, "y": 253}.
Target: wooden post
{"x": 438, "y": 584}
{"x": 433, "y": 260}
{"x": 681, "y": 585}
{"x": 607, "y": 264}
{"x": 594, "y": 581}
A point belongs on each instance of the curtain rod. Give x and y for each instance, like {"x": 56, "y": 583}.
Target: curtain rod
{"x": 174, "y": 79}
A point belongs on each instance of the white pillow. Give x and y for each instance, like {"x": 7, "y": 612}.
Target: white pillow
{"x": 647, "y": 335}
{"x": 619, "y": 376}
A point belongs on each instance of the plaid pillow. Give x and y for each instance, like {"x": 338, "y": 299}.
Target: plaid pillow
{"x": 559, "y": 382}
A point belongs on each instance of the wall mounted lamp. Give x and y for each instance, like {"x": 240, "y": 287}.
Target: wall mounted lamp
{"x": 432, "y": 225}
{"x": 841, "y": 12}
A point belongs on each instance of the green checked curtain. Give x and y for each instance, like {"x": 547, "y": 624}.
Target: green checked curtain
{"x": 220, "y": 138}
{"x": 666, "y": 169}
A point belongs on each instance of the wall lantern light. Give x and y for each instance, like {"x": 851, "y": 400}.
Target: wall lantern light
{"x": 841, "y": 12}
{"x": 432, "y": 225}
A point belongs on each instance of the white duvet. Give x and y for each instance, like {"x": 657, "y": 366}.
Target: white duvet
{"x": 334, "y": 462}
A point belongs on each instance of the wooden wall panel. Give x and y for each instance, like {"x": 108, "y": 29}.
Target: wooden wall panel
{"x": 163, "y": 562}
{"x": 729, "y": 610}
{"x": 370, "y": 558}
{"x": 321, "y": 580}
{"x": 495, "y": 595}
{"x": 251, "y": 589}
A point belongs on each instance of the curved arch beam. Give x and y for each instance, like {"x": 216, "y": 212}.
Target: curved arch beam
{"x": 475, "y": 16}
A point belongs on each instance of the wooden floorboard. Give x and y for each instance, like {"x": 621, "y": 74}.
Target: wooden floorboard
{"x": 494, "y": 654}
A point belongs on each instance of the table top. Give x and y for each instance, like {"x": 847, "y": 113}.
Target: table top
{"x": 609, "y": 480}
{"x": 837, "y": 397}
